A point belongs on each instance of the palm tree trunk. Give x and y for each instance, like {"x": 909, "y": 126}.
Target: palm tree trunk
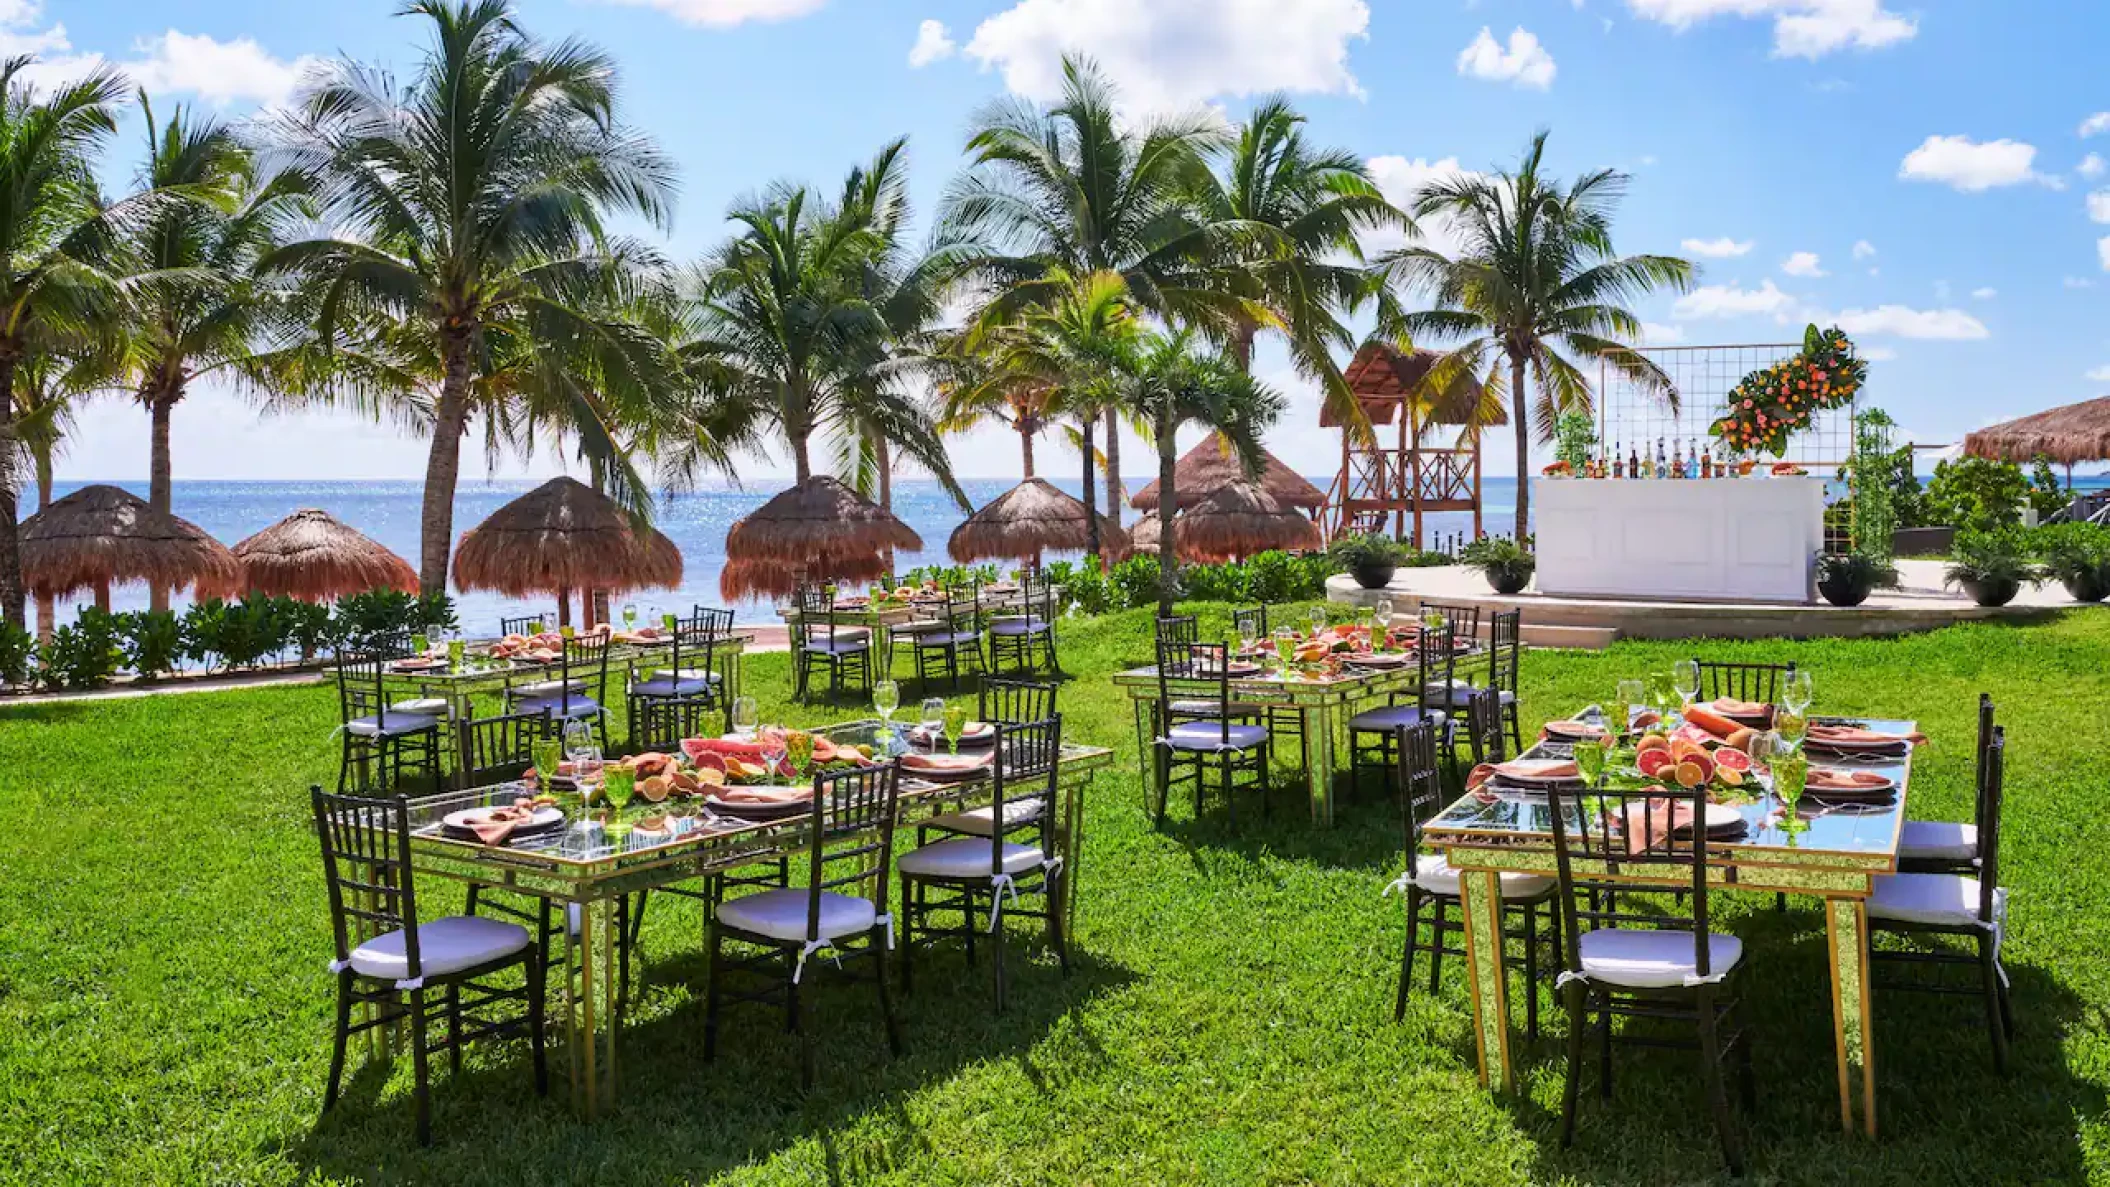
{"x": 1242, "y": 345}
{"x": 595, "y": 604}
{"x": 443, "y": 466}
{"x": 883, "y": 457}
{"x": 1520, "y": 417}
{"x": 160, "y": 496}
{"x": 12, "y": 609}
{"x": 1168, "y": 507}
{"x": 47, "y": 604}
{"x": 1091, "y": 502}
{"x": 1025, "y": 445}
{"x": 802, "y": 466}
{"x": 1113, "y": 467}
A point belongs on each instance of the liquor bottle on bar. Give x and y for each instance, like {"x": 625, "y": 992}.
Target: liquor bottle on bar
{"x": 1662, "y": 469}
{"x": 1689, "y": 460}
{"x": 1618, "y": 462}
{"x": 1706, "y": 463}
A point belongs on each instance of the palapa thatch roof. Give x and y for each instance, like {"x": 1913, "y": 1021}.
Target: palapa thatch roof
{"x": 1144, "y": 536}
{"x": 1029, "y": 519}
{"x": 820, "y": 529}
{"x": 1239, "y": 520}
{"x": 1383, "y": 379}
{"x": 2072, "y": 435}
{"x": 102, "y": 536}
{"x": 563, "y": 536}
{"x": 311, "y": 556}
{"x": 1212, "y": 464}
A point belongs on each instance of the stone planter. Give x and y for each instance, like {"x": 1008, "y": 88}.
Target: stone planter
{"x": 1373, "y": 576}
{"x": 2088, "y": 587}
{"x": 1994, "y": 592}
{"x": 1845, "y": 591}
{"x": 1509, "y": 579}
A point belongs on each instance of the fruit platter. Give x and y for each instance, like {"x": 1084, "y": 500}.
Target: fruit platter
{"x": 544, "y": 648}
{"x": 1324, "y": 655}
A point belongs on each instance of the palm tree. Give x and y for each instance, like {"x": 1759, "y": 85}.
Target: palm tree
{"x": 474, "y": 203}
{"x": 50, "y": 386}
{"x": 1536, "y": 276}
{"x": 970, "y": 399}
{"x": 53, "y": 233}
{"x": 797, "y": 322}
{"x": 196, "y": 308}
{"x": 1170, "y": 384}
{"x": 1071, "y": 188}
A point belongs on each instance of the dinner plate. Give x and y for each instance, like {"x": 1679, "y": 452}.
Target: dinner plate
{"x": 1759, "y": 720}
{"x": 1235, "y": 670}
{"x": 1882, "y": 791}
{"x": 1721, "y": 818}
{"x": 1887, "y": 746}
{"x": 1537, "y": 783}
{"x": 1574, "y": 731}
{"x": 417, "y": 665}
{"x": 1381, "y": 659}
{"x": 456, "y": 824}
{"x": 762, "y": 812}
{"x": 935, "y": 739}
{"x": 961, "y": 775}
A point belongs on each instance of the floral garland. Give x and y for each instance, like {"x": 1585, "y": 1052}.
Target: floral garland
{"x": 1769, "y": 405}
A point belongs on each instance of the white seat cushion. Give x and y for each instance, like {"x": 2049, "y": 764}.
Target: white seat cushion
{"x": 1384, "y": 721}
{"x": 1433, "y": 873}
{"x": 781, "y": 915}
{"x": 444, "y": 946}
{"x": 542, "y": 689}
{"x": 395, "y": 725}
{"x": 1018, "y": 626}
{"x": 562, "y": 708}
{"x": 1949, "y": 900}
{"x": 1462, "y": 694}
{"x": 1938, "y": 840}
{"x": 424, "y": 706}
{"x": 967, "y": 857}
{"x": 980, "y": 822}
{"x": 823, "y": 645}
{"x": 667, "y": 685}
{"x": 1636, "y": 958}
{"x": 843, "y": 634}
{"x": 1208, "y": 709}
{"x": 943, "y": 638}
{"x": 1209, "y": 735}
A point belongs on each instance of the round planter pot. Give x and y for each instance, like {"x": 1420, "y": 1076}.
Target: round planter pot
{"x": 1840, "y": 591}
{"x": 1373, "y": 576}
{"x": 1993, "y": 593}
{"x": 1508, "y": 581}
{"x": 2087, "y": 587}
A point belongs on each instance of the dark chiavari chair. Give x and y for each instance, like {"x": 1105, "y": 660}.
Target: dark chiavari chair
{"x": 817, "y": 641}
{"x": 1659, "y": 966}
{"x": 954, "y": 644}
{"x": 1015, "y": 702}
{"x": 1505, "y": 661}
{"x": 408, "y": 969}
{"x": 672, "y": 703}
{"x": 1430, "y": 885}
{"x": 397, "y": 739}
{"x": 1942, "y": 847}
{"x": 1001, "y": 703}
{"x": 1371, "y": 732}
{"x": 1200, "y": 731}
{"x": 578, "y": 690}
{"x": 1972, "y": 906}
{"x": 497, "y": 749}
{"x": 851, "y": 851}
{"x": 526, "y": 624}
{"x": 1485, "y": 731}
{"x": 956, "y": 874}
{"x": 1464, "y": 620}
{"x": 1759, "y": 683}
{"x": 1027, "y": 639}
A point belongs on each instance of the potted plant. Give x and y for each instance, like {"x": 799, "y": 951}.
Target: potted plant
{"x": 1846, "y": 579}
{"x": 1991, "y": 566}
{"x": 1370, "y": 559}
{"x": 1506, "y": 564}
{"x": 2078, "y": 554}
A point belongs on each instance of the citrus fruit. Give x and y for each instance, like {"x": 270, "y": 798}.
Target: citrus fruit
{"x": 1690, "y": 774}
{"x": 1732, "y": 760}
{"x": 1650, "y": 742}
{"x": 1654, "y": 762}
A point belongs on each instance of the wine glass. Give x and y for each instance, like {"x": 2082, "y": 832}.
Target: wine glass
{"x": 1798, "y": 692}
{"x": 798, "y": 748}
{"x": 933, "y": 719}
{"x": 1686, "y": 675}
{"x": 1631, "y": 693}
{"x": 1792, "y": 727}
{"x": 1790, "y": 775}
{"x": 772, "y": 744}
{"x": 1590, "y": 758}
{"x": 1285, "y": 647}
{"x": 1381, "y": 624}
{"x": 629, "y": 615}
{"x": 1761, "y": 746}
{"x": 1248, "y": 636}
{"x": 747, "y": 714}
{"x": 1318, "y": 621}
{"x": 886, "y": 699}
{"x": 955, "y": 724}
{"x": 455, "y": 650}
{"x": 1661, "y": 692}
{"x": 419, "y": 644}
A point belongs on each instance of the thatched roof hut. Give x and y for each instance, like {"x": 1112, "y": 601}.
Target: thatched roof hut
{"x": 1029, "y": 519}
{"x": 1384, "y": 379}
{"x": 1238, "y": 520}
{"x": 310, "y": 555}
{"x": 100, "y": 536}
{"x": 2072, "y": 435}
{"x": 1212, "y": 464}
{"x": 564, "y": 536}
{"x": 820, "y": 529}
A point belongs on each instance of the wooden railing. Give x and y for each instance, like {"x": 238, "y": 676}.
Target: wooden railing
{"x": 1378, "y": 482}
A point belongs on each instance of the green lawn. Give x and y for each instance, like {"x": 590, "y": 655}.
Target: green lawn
{"x": 164, "y": 1011}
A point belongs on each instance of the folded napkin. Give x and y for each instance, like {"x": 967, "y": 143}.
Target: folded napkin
{"x": 1575, "y": 729}
{"x": 948, "y": 764}
{"x": 1649, "y": 823}
{"x": 1855, "y": 736}
{"x": 764, "y": 795}
{"x": 494, "y": 826}
{"x": 1730, "y": 707}
{"x": 1539, "y": 768}
{"x": 1835, "y": 779}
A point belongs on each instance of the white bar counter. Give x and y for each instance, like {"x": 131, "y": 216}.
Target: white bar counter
{"x": 1720, "y": 539}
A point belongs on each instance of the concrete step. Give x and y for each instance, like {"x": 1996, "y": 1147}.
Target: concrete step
{"x": 1579, "y": 638}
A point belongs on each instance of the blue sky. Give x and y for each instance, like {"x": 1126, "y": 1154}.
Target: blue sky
{"x": 1920, "y": 173}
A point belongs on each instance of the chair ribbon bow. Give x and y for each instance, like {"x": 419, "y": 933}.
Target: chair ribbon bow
{"x": 1998, "y": 927}
{"x": 338, "y": 966}
{"x": 798, "y": 968}
{"x": 1002, "y": 884}
{"x": 1399, "y": 885}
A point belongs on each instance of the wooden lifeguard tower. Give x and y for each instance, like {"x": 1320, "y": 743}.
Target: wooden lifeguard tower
{"x": 1405, "y": 481}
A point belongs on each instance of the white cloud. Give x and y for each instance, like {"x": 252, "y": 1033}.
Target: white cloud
{"x": 724, "y": 14}
{"x": 1525, "y": 63}
{"x": 933, "y": 44}
{"x": 2090, "y": 166}
{"x": 1803, "y": 263}
{"x": 1718, "y": 249}
{"x": 1177, "y": 53}
{"x": 2099, "y": 206}
{"x": 1864, "y": 250}
{"x": 1899, "y": 321}
{"x": 1401, "y": 179}
{"x": 1653, "y": 334}
{"x": 218, "y": 71}
{"x": 1965, "y": 164}
{"x": 2095, "y": 125}
{"x": 1728, "y": 300}
{"x": 2099, "y": 375}
{"x": 1801, "y": 28}
{"x": 1984, "y": 294}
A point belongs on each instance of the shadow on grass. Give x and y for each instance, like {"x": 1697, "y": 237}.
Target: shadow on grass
{"x": 675, "y": 1110}
{"x": 1367, "y": 834}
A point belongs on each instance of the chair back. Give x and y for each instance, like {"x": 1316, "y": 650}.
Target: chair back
{"x": 359, "y": 690}
{"x": 1250, "y": 623}
{"x": 495, "y": 749}
{"x": 1179, "y": 628}
{"x": 366, "y": 864}
{"x": 963, "y": 609}
{"x": 1989, "y": 824}
{"x": 816, "y": 613}
{"x": 853, "y": 836}
{"x": 585, "y": 660}
{"x": 1985, "y": 739}
{"x": 1505, "y": 650}
{"x": 1027, "y": 758}
{"x": 720, "y": 621}
{"x": 1464, "y": 620}
{"x": 1420, "y": 784}
{"x": 1037, "y": 594}
{"x": 520, "y": 625}
{"x": 1485, "y": 726}
{"x": 1602, "y": 836}
{"x": 1742, "y": 682}
{"x": 1207, "y": 665}
{"x": 697, "y": 639}
{"x": 1436, "y": 657}
{"x": 1015, "y": 702}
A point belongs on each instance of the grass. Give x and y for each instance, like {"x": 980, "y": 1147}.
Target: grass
{"x": 164, "y": 1013}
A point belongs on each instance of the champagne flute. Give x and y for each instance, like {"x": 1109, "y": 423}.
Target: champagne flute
{"x": 933, "y": 719}
{"x": 886, "y": 699}
{"x": 1686, "y": 674}
{"x": 629, "y": 615}
{"x": 955, "y": 724}
{"x": 747, "y": 714}
{"x": 1590, "y": 759}
{"x": 1248, "y": 636}
{"x": 772, "y": 745}
{"x": 1798, "y": 692}
{"x": 1631, "y": 693}
{"x": 1318, "y": 621}
{"x": 798, "y": 748}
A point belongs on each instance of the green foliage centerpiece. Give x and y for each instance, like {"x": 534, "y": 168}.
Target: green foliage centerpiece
{"x": 1771, "y": 404}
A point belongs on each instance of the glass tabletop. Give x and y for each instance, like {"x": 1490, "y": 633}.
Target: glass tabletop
{"x": 1823, "y": 825}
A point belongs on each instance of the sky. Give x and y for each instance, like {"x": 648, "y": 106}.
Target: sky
{"x": 1931, "y": 177}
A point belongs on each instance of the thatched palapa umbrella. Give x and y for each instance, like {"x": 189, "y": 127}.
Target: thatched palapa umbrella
{"x": 564, "y": 536}
{"x": 2072, "y": 435}
{"x": 819, "y": 528}
{"x": 1211, "y": 464}
{"x": 1028, "y": 520}
{"x": 311, "y": 556}
{"x": 1235, "y": 521}
{"x": 1145, "y": 536}
{"x": 100, "y": 536}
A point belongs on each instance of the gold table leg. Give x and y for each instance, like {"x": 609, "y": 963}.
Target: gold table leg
{"x": 589, "y": 1006}
{"x": 1480, "y": 901}
{"x": 1846, "y": 932}
{"x": 1318, "y": 733}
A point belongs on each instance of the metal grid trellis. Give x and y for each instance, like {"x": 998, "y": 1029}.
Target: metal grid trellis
{"x": 1634, "y": 420}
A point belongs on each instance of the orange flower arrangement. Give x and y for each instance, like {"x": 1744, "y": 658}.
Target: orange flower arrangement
{"x": 1771, "y": 404}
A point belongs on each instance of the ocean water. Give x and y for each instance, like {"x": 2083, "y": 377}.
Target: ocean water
{"x": 696, "y": 522}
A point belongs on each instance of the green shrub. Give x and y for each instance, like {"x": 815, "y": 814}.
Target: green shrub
{"x": 2001, "y": 554}
{"x": 1858, "y": 568}
{"x": 82, "y": 654}
{"x": 235, "y": 634}
{"x": 1368, "y": 551}
{"x": 152, "y": 642}
{"x": 1975, "y": 494}
{"x": 2071, "y": 551}
{"x": 17, "y": 649}
{"x": 1135, "y": 581}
